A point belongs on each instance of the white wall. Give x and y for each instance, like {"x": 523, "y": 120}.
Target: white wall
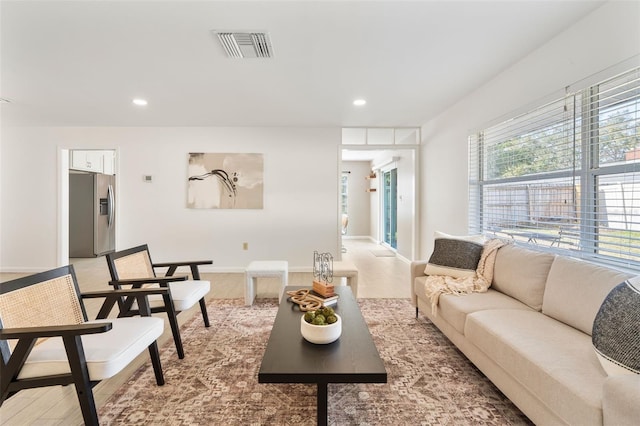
{"x": 605, "y": 38}
{"x": 358, "y": 204}
{"x": 406, "y": 207}
{"x": 300, "y": 203}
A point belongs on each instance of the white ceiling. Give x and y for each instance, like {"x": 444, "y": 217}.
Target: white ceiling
{"x": 80, "y": 63}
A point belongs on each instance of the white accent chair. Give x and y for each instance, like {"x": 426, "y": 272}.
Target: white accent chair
{"x": 133, "y": 267}
{"x": 46, "y": 339}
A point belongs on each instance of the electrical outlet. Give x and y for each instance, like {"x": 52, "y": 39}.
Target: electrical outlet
{"x": 245, "y": 246}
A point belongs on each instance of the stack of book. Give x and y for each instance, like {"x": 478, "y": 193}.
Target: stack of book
{"x": 324, "y": 293}
{"x": 326, "y": 301}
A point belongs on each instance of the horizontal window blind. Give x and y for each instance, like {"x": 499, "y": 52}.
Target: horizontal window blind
{"x": 565, "y": 176}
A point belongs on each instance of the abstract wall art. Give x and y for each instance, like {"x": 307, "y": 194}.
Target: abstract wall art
{"x": 225, "y": 181}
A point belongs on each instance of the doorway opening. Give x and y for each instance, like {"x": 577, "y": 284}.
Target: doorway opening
{"x": 390, "y": 207}
{"x": 383, "y": 188}
{"x": 89, "y": 161}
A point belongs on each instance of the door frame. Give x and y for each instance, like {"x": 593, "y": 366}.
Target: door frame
{"x": 382, "y": 216}
{"x": 62, "y": 254}
{"x": 415, "y": 226}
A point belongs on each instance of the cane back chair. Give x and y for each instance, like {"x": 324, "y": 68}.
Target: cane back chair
{"x": 133, "y": 267}
{"x": 46, "y": 339}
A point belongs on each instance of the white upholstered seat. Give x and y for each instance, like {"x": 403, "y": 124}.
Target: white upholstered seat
{"x": 106, "y": 353}
{"x": 133, "y": 267}
{"x": 185, "y": 294}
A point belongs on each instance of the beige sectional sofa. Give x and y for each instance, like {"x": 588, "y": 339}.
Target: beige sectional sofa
{"x": 530, "y": 334}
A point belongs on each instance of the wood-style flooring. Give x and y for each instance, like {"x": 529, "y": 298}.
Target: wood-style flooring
{"x": 378, "y": 277}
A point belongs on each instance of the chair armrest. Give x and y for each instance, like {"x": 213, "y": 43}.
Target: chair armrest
{"x": 27, "y": 337}
{"x": 620, "y": 397}
{"x": 125, "y": 292}
{"x": 118, "y": 296}
{"x": 149, "y": 280}
{"x": 186, "y": 263}
{"x": 193, "y": 265}
{"x": 54, "y": 331}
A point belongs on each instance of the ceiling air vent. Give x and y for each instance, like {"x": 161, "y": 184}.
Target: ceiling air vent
{"x": 239, "y": 44}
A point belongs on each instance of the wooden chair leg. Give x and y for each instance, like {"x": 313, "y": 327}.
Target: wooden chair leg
{"x": 173, "y": 322}
{"x": 155, "y": 360}
{"x": 145, "y": 310}
{"x": 80, "y": 373}
{"x": 195, "y": 273}
{"x": 205, "y": 315}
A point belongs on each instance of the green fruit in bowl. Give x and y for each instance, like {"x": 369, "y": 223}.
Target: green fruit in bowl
{"x": 327, "y": 312}
{"x": 324, "y": 316}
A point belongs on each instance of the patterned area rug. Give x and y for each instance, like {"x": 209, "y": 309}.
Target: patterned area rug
{"x": 429, "y": 381}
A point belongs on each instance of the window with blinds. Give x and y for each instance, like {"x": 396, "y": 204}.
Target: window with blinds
{"x": 566, "y": 176}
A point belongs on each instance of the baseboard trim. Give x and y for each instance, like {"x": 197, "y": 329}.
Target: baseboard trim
{"x": 235, "y": 269}
{"x": 23, "y": 270}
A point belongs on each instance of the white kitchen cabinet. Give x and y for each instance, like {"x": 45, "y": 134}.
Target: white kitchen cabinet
{"x": 109, "y": 162}
{"x": 97, "y": 161}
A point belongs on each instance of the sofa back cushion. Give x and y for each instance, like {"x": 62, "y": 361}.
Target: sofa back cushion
{"x": 522, "y": 274}
{"x": 575, "y": 290}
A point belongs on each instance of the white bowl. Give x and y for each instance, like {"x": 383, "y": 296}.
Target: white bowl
{"x": 321, "y": 334}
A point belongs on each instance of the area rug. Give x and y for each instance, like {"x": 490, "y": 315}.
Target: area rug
{"x": 383, "y": 253}
{"x": 429, "y": 381}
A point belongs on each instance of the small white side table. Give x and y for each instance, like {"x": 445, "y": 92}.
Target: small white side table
{"x": 264, "y": 268}
{"x": 344, "y": 268}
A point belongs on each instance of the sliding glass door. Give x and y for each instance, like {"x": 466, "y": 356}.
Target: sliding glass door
{"x": 390, "y": 207}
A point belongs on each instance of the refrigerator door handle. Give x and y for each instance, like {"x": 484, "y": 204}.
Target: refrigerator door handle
{"x": 110, "y": 205}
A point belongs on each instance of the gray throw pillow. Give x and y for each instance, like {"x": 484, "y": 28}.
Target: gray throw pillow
{"x": 455, "y": 256}
{"x": 616, "y": 329}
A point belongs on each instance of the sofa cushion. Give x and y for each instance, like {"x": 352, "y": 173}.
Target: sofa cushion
{"x": 522, "y": 274}
{"x": 454, "y": 309}
{"x": 620, "y": 401}
{"x": 575, "y": 290}
{"x": 455, "y": 256}
{"x": 553, "y": 361}
{"x": 616, "y": 329}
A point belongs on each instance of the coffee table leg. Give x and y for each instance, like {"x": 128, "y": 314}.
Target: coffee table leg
{"x": 322, "y": 404}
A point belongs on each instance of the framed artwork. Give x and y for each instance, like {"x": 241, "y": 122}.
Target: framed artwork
{"x": 225, "y": 181}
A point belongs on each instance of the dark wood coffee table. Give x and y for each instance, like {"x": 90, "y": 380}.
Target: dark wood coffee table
{"x": 353, "y": 358}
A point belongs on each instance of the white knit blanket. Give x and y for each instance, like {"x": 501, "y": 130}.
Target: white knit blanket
{"x": 480, "y": 282}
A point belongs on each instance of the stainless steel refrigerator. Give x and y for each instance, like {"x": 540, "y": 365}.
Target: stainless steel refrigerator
{"x": 91, "y": 214}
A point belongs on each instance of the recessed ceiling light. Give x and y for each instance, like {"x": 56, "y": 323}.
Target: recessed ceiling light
{"x": 359, "y": 102}
{"x": 140, "y": 102}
